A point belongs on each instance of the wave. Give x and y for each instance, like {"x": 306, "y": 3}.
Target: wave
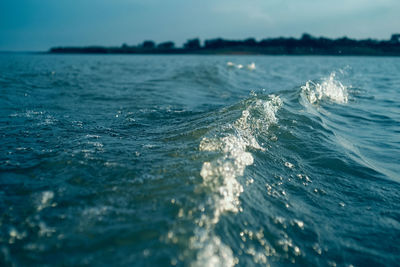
{"x": 192, "y": 169}
{"x": 232, "y": 145}
{"x": 233, "y": 142}
{"x": 329, "y": 89}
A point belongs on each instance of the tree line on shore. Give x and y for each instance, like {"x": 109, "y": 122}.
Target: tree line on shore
{"x": 306, "y": 45}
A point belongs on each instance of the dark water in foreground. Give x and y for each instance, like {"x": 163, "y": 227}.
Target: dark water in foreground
{"x": 195, "y": 161}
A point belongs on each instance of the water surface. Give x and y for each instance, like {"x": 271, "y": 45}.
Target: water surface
{"x": 199, "y": 160}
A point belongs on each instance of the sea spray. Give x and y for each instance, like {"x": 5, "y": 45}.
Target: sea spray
{"x": 167, "y": 160}
{"x": 220, "y": 175}
{"x": 329, "y": 88}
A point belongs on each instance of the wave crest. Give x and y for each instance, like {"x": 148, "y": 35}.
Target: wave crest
{"x": 220, "y": 175}
{"x": 329, "y": 88}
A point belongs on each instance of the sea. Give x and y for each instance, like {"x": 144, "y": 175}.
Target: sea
{"x": 199, "y": 160}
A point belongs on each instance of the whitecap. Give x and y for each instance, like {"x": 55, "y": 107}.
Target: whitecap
{"x": 220, "y": 176}
{"x": 329, "y": 88}
{"x": 251, "y": 66}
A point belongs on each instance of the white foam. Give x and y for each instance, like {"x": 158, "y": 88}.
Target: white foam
{"x": 45, "y": 200}
{"x": 220, "y": 175}
{"x": 330, "y": 88}
{"x": 212, "y": 252}
{"x": 251, "y": 66}
{"x": 289, "y": 165}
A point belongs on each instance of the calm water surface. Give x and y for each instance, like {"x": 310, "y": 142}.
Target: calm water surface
{"x": 199, "y": 160}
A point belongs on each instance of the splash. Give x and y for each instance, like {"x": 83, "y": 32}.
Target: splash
{"x": 251, "y": 66}
{"x": 220, "y": 175}
{"x": 330, "y": 88}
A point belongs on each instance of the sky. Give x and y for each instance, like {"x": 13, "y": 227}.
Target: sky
{"x": 37, "y": 25}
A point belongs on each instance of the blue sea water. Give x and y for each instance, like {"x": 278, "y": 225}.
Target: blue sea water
{"x": 199, "y": 160}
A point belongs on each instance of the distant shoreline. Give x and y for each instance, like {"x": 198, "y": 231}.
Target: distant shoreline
{"x": 306, "y": 45}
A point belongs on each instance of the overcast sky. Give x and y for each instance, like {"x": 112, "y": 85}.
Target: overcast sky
{"x": 41, "y": 24}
